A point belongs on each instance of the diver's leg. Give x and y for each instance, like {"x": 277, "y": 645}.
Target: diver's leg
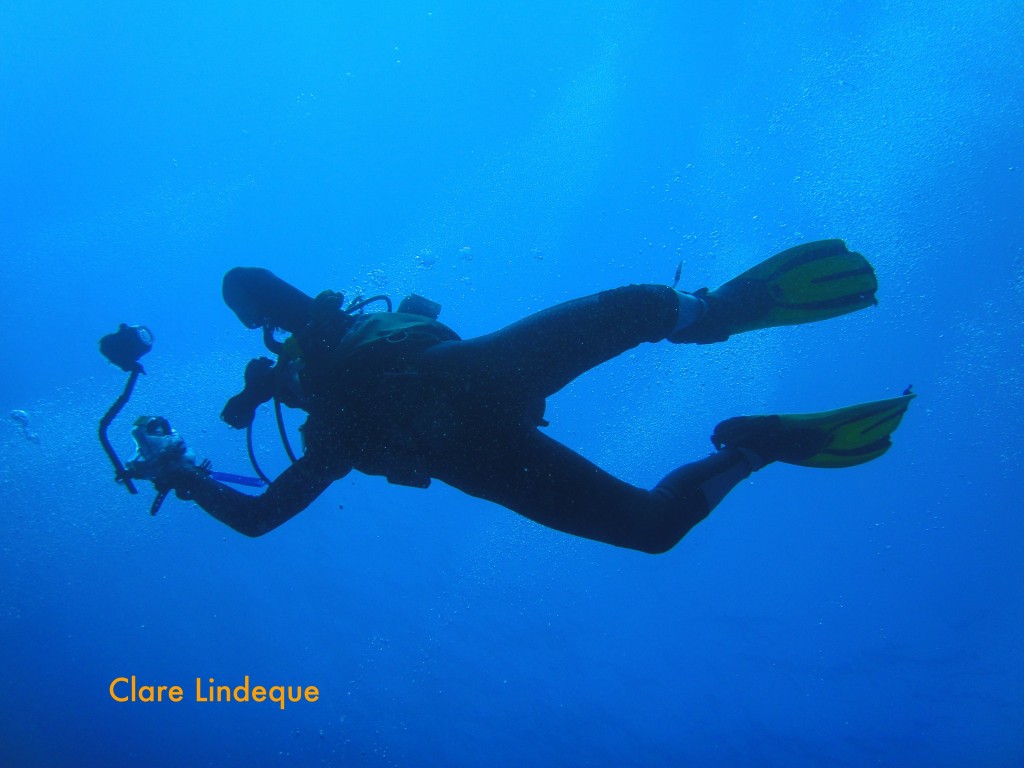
{"x": 545, "y": 481}
{"x": 540, "y": 354}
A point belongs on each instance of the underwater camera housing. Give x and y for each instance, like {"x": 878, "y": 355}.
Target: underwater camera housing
{"x": 123, "y": 348}
{"x": 152, "y": 435}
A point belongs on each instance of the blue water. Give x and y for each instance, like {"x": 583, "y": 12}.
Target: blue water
{"x": 500, "y": 159}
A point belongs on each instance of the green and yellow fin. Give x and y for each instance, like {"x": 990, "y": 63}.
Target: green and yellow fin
{"x": 806, "y": 283}
{"x": 854, "y": 435}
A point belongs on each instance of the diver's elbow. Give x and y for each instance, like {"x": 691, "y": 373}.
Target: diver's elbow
{"x": 253, "y": 529}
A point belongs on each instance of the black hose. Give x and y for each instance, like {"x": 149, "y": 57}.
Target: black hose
{"x": 281, "y": 429}
{"x": 270, "y": 342}
{"x": 252, "y": 455}
{"x": 358, "y": 304}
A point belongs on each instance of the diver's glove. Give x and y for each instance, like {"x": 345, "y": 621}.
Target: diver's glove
{"x": 160, "y": 452}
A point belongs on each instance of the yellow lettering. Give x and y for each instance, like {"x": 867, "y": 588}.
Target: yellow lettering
{"x": 279, "y": 692}
{"x": 146, "y": 693}
{"x": 242, "y": 691}
{"x": 114, "y": 682}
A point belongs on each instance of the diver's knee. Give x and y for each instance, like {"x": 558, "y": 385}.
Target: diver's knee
{"x": 657, "y": 545}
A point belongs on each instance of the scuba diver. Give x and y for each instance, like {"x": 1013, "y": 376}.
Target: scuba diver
{"x": 399, "y": 394}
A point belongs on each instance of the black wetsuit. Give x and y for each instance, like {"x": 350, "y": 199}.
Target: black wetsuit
{"x": 469, "y": 412}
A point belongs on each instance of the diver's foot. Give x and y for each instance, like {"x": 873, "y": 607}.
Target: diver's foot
{"x": 844, "y": 437}
{"x": 804, "y": 284}
{"x": 723, "y": 311}
{"x": 770, "y": 438}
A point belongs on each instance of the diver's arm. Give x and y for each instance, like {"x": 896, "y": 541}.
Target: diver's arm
{"x": 294, "y": 490}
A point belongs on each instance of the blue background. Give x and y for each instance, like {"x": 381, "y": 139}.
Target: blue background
{"x": 500, "y": 159}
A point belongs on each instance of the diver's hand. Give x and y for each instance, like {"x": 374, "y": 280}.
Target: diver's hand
{"x": 162, "y": 466}
{"x": 161, "y": 452}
